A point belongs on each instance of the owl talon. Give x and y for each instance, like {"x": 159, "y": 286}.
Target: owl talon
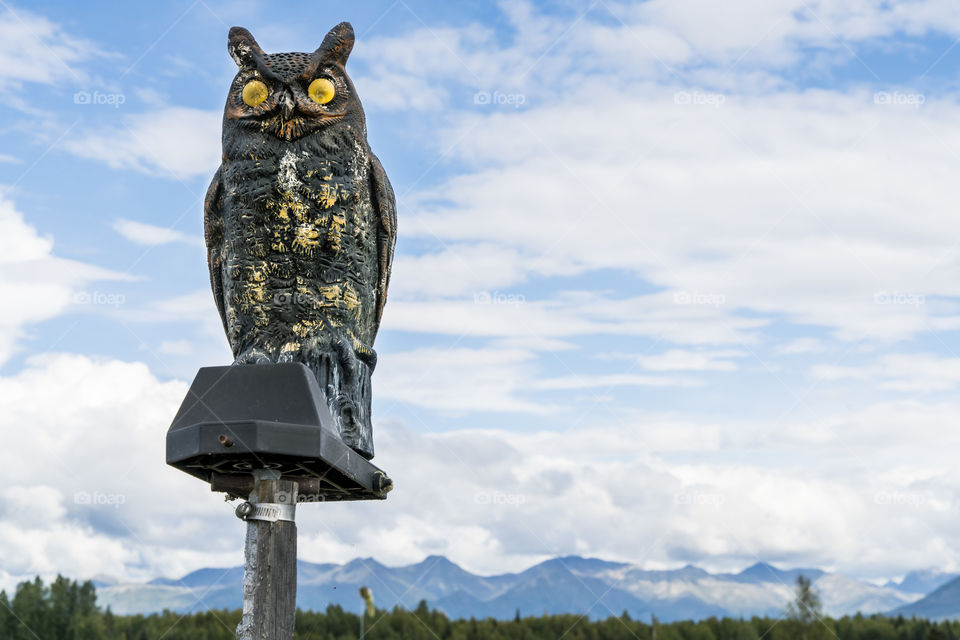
{"x": 345, "y": 413}
{"x": 253, "y": 356}
{"x": 313, "y": 349}
{"x": 348, "y": 359}
{"x": 288, "y": 353}
{"x": 366, "y": 355}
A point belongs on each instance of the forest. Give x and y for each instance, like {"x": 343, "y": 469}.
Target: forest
{"x": 67, "y": 610}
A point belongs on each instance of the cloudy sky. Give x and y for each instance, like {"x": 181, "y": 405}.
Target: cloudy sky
{"x": 678, "y": 281}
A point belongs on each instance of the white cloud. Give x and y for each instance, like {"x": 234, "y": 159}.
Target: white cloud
{"x": 35, "y": 49}
{"x": 151, "y": 235}
{"x": 459, "y": 379}
{"x": 672, "y": 484}
{"x": 400, "y": 91}
{"x": 35, "y": 284}
{"x": 205, "y": 345}
{"x": 904, "y": 372}
{"x": 800, "y": 346}
{"x": 505, "y": 497}
{"x": 571, "y": 314}
{"x": 755, "y": 196}
{"x": 464, "y": 270}
{"x": 177, "y": 142}
{"x": 501, "y": 379}
{"x": 742, "y": 44}
{"x": 96, "y": 426}
{"x": 195, "y": 307}
{"x": 613, "y": 380}
{"x": 775, "y": 32}
{"x": 37, "y": 538}
{"x": 755, "y": 205}
{"x": 686, "y": 360}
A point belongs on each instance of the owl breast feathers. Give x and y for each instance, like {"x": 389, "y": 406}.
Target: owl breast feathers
{"x": 300, "y": 223}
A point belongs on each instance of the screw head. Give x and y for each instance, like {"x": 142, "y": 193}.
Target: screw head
{"x": 243, "y": 510}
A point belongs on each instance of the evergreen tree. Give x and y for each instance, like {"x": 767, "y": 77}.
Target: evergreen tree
{"x": 32, "y": 611}
{"x": 8, "y": 623}
{"x": 804, "y": 613}
{"x": 805, "y": 607}
{"x": 63, "y": 603}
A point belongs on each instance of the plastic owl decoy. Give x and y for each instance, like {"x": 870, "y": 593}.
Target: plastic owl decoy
{"x": 300, "y": 223}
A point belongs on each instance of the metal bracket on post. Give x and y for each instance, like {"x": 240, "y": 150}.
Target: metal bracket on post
{"x": 253, "y": 509}
{"x": 267, "y": 511}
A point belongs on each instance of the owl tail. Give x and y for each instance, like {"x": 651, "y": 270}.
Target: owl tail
{"x": 345, "y": 375}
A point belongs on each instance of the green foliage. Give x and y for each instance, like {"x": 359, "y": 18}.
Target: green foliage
{"x": 67, "y": 610}
{"x": 805, "y": 607}
{"x": 804, "y": 615}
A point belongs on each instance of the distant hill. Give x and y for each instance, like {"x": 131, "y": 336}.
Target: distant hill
{"x": 941, "y": 604}
{"x": 925, "y": 581}
{"x": 763, "y": 572}
{"x": 572, "y": 584}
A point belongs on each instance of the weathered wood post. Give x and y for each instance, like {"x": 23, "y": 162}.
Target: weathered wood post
{"x": 300, "y": 227}
{"x": 270, "y": 552}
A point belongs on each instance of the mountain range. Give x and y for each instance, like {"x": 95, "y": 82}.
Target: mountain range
{"x": 940, "y": 604}
{"x": 571, "y": 584}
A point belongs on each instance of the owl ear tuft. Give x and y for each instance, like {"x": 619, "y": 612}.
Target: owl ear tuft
{"x": 338, "y": 44}
{"x": 243, "y": 48}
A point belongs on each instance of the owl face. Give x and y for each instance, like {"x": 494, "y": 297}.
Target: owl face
{"x": 292, "y": 95}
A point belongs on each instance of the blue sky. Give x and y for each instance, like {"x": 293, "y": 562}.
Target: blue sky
{"x": 676, "y": 281}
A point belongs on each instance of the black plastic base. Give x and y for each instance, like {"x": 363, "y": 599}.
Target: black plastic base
{"x": 239, "y": 418}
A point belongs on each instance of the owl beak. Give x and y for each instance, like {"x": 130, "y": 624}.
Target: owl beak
{"x": 287, "y": 105}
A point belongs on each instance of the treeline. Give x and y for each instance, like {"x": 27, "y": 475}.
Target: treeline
{"x": 67, "y": 610}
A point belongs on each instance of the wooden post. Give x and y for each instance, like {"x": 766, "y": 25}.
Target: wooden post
{"x": 270, "y": 568}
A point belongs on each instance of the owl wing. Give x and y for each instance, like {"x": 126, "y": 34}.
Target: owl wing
{"x": 213, "y": 236}
{"x": 385, "y": 206}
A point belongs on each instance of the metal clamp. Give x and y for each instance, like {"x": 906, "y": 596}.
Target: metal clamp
{"x": 267, "y": 511}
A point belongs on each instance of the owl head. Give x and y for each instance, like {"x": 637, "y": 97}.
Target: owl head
{"x": 292, "y": 95}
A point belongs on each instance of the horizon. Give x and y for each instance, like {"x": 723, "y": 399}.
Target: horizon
{"x": 758, "y": 563}
{"x": 593, "y": 588}
{"x": 675, "y": 282}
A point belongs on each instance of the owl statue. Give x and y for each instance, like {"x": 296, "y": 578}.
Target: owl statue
{"x": 300, "y": 223}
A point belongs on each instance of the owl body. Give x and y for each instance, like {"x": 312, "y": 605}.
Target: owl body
{"x": 300, "y": 225}
{"x": 302, "y": 251}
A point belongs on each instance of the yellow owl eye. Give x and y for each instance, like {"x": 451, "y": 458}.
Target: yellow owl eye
{"x": 321, "y": 91}
{"x": 254, "y": 92}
